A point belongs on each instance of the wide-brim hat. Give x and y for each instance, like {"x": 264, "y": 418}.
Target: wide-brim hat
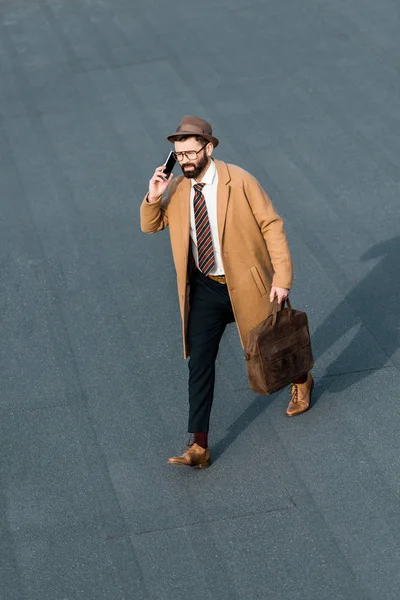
{"x": 194, "y": 126}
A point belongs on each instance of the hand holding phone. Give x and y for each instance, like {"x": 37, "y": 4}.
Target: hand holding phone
{"x": 161, "y": 178}
{"x": 169, "y": 164}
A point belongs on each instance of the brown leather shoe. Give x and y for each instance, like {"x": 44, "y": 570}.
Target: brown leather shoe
{"x": 195, "y": 456}
{"x": 301, "y": 397}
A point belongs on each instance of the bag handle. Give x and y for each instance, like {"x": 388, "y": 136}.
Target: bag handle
{"x": 275, "y": 308}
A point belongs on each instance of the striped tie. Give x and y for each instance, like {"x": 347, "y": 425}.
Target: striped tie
{"x": 203, "y": 231}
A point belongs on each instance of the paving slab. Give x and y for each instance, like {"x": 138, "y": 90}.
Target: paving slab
{"x": 255, "y": 557}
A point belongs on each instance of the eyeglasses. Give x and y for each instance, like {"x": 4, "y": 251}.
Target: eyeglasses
{"x": 190, "y": 154}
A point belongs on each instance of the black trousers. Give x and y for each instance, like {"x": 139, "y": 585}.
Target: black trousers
{"x": 210, "y": 312}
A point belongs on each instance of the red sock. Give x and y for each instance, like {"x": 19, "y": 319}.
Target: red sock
{"x": 201, "y": 439}
{"x": 301, "y": 379}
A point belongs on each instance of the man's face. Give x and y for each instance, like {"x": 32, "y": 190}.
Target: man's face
{"x": 193, "y": 166}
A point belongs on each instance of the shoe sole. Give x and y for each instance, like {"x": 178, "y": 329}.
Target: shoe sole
{"x": 306, "y": 409}
{"x": 199, "y": 466}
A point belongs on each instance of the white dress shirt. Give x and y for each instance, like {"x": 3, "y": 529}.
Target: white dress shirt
{"x": 210, "y": 194}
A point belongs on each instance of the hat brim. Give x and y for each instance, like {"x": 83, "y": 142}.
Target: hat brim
{"x": 210, "y": 138}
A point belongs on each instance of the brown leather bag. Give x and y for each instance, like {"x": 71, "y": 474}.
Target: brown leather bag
{"x": 278, "y": 350}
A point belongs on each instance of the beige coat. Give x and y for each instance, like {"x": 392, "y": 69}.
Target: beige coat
{"x": 254, "y": 249}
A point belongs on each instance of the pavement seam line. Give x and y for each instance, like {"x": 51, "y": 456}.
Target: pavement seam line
{"x": 202, "y": 522}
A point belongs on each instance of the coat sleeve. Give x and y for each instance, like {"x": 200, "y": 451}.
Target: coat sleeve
{"x": 272, "y": 230}
{"x": 153, "y": 217}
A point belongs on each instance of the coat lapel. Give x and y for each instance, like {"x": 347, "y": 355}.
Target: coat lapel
{"x": 223, "y": 191}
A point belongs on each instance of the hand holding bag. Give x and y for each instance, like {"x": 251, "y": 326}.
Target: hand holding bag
{"x": 278, "y": 350}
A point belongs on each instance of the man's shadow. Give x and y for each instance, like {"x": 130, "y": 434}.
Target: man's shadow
{"x": 373, "y": 307}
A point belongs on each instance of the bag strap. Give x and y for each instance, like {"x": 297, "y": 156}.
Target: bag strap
{"x": 275, "y": 308}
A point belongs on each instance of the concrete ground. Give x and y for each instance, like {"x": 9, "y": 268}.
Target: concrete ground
{"x": 305, "y": 95}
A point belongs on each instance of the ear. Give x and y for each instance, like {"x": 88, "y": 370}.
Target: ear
{"x": 209, "y": 149}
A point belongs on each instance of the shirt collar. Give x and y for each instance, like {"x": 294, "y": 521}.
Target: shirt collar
{"x": 209, "y": 175}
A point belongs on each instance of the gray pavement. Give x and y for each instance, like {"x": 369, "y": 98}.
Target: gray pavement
{"x": 306, "y": 96}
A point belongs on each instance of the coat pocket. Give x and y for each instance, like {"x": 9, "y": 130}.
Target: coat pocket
{"x": 258, "y": 281}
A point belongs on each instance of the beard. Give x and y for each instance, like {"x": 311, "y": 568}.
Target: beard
{"x": 198, "y": 168}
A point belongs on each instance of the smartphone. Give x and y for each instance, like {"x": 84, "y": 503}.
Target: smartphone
{"x": 169, "y": 164}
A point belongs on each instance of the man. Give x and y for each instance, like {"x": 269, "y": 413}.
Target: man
{"x": 231, "y": 257}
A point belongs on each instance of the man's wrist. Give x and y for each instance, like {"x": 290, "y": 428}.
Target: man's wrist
{"x": 152, "y": 200}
